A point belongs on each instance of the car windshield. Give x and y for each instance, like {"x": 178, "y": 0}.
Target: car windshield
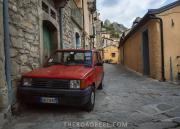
{"x": 71, "y": 58}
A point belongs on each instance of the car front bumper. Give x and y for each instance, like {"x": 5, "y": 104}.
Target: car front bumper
{"x": 65, "y": 97}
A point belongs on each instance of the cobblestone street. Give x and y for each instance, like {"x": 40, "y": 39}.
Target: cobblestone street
{"x": 142, "y": 102}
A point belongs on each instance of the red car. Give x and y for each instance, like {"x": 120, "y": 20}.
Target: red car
{"x": 69, "y": 77}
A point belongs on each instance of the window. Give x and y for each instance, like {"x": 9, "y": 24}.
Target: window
{"x": 48, "y": 10}
{"x": 53, "y": 14}
{"x": 113, "y": 55}
{"x": 45, "y": 7}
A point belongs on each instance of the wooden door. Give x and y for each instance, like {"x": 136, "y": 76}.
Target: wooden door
{"x": 47, "y": 40}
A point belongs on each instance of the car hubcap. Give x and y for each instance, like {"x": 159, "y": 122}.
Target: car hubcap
{"x": 92, "y": 97}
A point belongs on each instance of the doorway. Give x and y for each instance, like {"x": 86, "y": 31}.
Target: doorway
{"x": 50, "y": 39}
{"x": 145, "y": 45}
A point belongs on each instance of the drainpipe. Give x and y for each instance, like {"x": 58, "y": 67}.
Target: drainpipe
{"x": 7, "y": 49}
{"x": 83, "y": 24}
{"x": 92, "y": 30}
{"x": 61, "y": 26}
{"x": 162, "y": 44}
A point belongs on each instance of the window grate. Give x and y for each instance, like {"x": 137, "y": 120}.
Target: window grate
{"x": 53, "y": 14}
{"x": 45, "y": 7}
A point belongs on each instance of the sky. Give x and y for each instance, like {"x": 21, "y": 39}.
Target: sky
{"x": 125, "y": 11}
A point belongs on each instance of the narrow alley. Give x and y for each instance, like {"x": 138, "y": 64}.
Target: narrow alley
{"x": 127, "y": 98}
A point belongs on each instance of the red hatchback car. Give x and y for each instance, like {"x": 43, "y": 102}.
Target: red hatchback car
{"x": 69, "y": 77}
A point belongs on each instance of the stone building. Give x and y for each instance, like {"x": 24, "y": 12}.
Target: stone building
{"x": 98, "y": 27}
{"x": 105, "y": 34}
{"x": 3, "y": 84}
{"x": 28, "y": 27}
{"x": 89, "y": 23}
{"x": 78, "y": 23}
{"x": 72, "y": 25}
{"x": 109, "y": 41}
{"x": 33, "y": 30}
{"x": 152, "y": 46}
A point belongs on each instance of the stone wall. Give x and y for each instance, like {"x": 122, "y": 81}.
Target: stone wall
{"x": 25, "y": 37}
{"x": 69, "y": 28}
{"x": 26, "y": 30}
{"x": 98, "y": 40}
{"x": 3, "y": 86}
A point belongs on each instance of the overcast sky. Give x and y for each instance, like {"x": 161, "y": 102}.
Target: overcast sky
{"x": 125, "y": 11}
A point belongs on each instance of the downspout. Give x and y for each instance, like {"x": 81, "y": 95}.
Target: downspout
{"x": 83, "y": 24}
{"x": 7, "y": 49}
{"x": 61, "y": 26}
{"x": 92, "y": 30}
{"x": 162, "y": 44}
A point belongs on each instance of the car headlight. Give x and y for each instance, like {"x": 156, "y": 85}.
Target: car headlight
{"x": 74, "y": 84}
{"x": 27, "y": 82}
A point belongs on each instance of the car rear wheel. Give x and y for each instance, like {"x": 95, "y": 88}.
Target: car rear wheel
{"x": 91, "y": 102}
{"x": 100, "y": 86}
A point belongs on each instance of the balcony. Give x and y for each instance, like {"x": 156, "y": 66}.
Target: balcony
{"x": 76, "y": 14}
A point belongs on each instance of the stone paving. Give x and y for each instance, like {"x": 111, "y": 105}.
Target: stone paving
{"x": 127, "y": 101}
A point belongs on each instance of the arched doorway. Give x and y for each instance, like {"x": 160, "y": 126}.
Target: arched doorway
{"x": 50, "y": 39}
{"x": 78, "y": 44}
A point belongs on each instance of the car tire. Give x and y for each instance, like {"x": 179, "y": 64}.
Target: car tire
{"x": 100, "y": 86}
{"x": 91, "y": 102}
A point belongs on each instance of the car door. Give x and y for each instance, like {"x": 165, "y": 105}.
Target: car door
{"x": 98, "y": 68}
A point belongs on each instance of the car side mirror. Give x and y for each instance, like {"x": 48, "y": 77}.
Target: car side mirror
{"x": 99, "y": 64}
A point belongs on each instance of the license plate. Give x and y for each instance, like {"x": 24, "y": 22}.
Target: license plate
{"x": 49, "y": 100}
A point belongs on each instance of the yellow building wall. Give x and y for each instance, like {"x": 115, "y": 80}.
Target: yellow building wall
{"x": 171, "y": 41}
{"x": 108, "y": 54}
{"x": 131, "y": 51}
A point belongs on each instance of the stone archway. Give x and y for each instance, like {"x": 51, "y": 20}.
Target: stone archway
{"x": 50, "y": 39}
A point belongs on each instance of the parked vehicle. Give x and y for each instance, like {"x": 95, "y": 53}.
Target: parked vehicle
{"x": 69, "y": 77}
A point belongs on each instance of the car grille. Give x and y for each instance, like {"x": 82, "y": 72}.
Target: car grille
{"x": 50, "y": 83}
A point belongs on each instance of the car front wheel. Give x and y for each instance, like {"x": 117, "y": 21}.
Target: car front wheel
{"x": 91, "y": 102}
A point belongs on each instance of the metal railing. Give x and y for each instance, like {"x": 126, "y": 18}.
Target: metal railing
{"x": 76, "y": 14}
